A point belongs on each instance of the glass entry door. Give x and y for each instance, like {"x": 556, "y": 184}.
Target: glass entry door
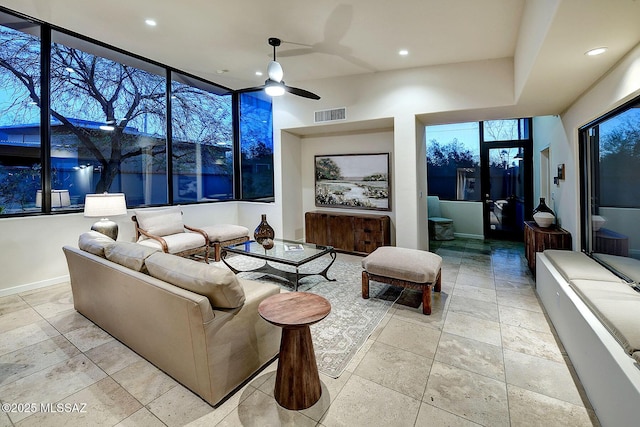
{"x": 506, "y": 184}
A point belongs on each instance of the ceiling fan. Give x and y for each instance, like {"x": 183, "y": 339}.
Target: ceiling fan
{"x": 274, "y": 85}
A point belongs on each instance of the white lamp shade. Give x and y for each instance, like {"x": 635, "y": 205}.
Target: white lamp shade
{"x": 59, "y": 198}
{"x": 104, "y": 205}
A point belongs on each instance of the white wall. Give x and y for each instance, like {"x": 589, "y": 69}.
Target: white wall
{"x": 619, "y": 85}
{"x": 548, "y": 132}
{"x": 406, "y": 97}
{"x": 467, "y": 218}
{"x": 377, "y": 141}
{"x": 31, "y": 250}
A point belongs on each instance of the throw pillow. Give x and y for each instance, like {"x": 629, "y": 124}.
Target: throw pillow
{"x": 160, "y": 222}
{"x": 219, "y": 285}
{"x": 130, "y": 255}
{"x": 95, "y": 242}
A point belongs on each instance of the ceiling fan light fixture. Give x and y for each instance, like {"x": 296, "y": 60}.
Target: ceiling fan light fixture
{"x": 272, "y": 88}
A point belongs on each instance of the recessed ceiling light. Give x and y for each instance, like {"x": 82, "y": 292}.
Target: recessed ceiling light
{"x": 222, "y": 71}
{"x": 596, "y": 51}
{"x": 258, "y": 73}
{"x": 403, "y": 52}
{"x": 150, "y": 22}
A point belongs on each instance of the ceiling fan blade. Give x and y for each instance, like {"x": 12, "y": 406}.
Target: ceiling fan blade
{"x": 301, "y": 92}
{"x": 274, "y": 70}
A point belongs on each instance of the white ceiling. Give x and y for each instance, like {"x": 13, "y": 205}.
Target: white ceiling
{"x": 226, "y": 41}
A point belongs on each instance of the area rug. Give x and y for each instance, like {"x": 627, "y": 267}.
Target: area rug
{"x": 337, "y": 338}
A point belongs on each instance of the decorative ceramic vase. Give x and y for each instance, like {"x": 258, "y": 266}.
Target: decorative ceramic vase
{"x": 267, "y": 243}
{"x": 543, "y": 215}
{"x": 263, "y": 231}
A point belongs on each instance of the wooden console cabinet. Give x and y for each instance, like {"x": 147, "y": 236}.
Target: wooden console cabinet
{"x": 537, "y": 239}
{"x": 356, "y": 233}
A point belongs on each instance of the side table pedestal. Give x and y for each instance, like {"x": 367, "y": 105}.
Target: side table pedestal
{"x": 297, "y": 381}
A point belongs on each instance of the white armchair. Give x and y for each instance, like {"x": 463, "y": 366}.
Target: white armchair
{"x": 163, "y": 229}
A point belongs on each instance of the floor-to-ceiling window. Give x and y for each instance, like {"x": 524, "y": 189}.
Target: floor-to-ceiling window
{"x": 610, "y": 157}
{"x": 453, "y": 161}
{"x": 20, "y": 147}
{"x": 256, "y": 146}
{"x": 108, "y": 123}
{"x": 202, "y": 134}
{"x": 484, "y": 162}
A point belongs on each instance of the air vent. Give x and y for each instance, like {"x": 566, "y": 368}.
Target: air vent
{"x": 331, "y": 115}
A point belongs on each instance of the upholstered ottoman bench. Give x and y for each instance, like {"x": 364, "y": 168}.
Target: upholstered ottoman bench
{"x": 221, "y": 235}
{"x": 407, "y": 268}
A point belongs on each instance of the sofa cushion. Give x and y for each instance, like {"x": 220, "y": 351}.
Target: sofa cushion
{"x": 95, "y": 242}
{"x": 219, "y": 285}
{"x": 128, "y": 254}
{"x": 577, "y": 265}
{"x": 160, "y": 222}
{"x": 617, "y": 306}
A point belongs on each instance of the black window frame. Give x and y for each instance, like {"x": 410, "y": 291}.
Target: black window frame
{"x": 46, "y": 30}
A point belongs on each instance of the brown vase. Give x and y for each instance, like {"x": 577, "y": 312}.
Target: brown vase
{"x": 263, "y": 231}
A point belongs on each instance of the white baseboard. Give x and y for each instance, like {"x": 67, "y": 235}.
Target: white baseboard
{"x": 469, "y": 236}
{"x": 32, "y": 286}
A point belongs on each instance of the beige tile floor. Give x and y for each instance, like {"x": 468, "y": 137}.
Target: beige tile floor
{"x": 486, "y": 356}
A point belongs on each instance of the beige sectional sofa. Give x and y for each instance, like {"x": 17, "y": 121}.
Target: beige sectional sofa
{"x": 597, "y": 317}
{"x": 198, "y": 323}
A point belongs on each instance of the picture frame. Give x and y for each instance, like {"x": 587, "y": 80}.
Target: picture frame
{"x": 353, "y": 181}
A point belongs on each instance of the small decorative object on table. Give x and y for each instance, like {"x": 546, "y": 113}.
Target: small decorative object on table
{"x": 267, "y": 243}
{"x": 263, "y": 231}
{"x": 597, "y": 222}
{"x": 543, "y": 215}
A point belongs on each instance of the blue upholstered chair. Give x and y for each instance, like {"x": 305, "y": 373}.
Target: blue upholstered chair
{"x": 439, "y": 228}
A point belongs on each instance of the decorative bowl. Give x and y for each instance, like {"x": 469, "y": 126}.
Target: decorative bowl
{"x": 544, "y": 219}
{"x": 597, "y": 222}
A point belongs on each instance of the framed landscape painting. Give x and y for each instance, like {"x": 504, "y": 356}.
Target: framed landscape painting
{"x": 358, "y": 181}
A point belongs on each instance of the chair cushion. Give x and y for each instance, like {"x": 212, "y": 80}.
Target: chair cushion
{"x": 405, "y": 264}
{"x": 177, "y": 243}
{"x": 128, "y": 254}
{"x": 219, "y": 285}
{"x": 160, "y": 222}
{"x": 223, "y": 232}
{"x": 95, "y": 242}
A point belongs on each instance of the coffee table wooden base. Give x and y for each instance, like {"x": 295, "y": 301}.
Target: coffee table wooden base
{"x": 297, "y": 380}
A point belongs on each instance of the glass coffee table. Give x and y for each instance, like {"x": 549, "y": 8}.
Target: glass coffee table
{"x": 285, "y": 252}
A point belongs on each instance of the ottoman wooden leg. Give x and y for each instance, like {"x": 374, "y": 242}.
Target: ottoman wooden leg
{"x": 426, "y": 299}
{"x": 438, "y": 283}
{"x": 365, "y": 285}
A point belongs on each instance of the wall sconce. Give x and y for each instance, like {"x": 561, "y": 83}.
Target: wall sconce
{"x": 559, "y": 175}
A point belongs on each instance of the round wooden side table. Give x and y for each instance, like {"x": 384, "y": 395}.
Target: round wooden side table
{"x": 297, "y": 380}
